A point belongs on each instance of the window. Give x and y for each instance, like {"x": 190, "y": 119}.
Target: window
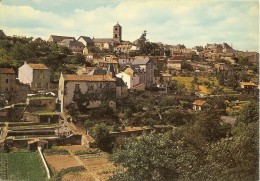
{"x": 100, "y": 85}
{"x": 6, "y": 81}
{"x": 76, "y": 87}
{"x": 115, "y": 29}
{"x": 115, "y": 35}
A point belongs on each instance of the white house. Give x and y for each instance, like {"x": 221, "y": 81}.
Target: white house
{"x": 100, "y": 88}
{"x": 36, "y": 75}
{"x": 129, "y": 77}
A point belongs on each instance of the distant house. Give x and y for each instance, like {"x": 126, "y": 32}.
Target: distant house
{"x": 121, "y": 87}
{"x": 163, "y": 80}
{"x": 85, "y": 70}
{"x": 125, "y": 61}
{"x": 227, "y": 48}
{"x": 221, "y": 66}
{"x": 199, "y": 105}
{"x": 7, "y": 79}
{"x": 148, "y": 66}
{"x": 104, "y": 63}
{"x": 248, "y": 87}
{"x": 70, "y": 86}
{"x": 228, "y": 56}
{"x": 130, "y": 77}
{"x": 56, "y": 39}
{"x": 2, "y": 34}
{"x": 75, "y": 46}
{"x": 215, "y": 48}
{"x": 174, "y": 64}
{"x": 36, "y": 75}
{"x": 87, "y": 41}
{"x": 219, "y": 48}
{"x": 103, "y": 43}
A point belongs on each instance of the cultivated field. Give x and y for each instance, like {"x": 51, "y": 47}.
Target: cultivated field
{"x": 58, "y": 162}
{"x": 21, "y": 166}
{"x": 96, "y": 163}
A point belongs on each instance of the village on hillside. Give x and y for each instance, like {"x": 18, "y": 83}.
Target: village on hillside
{"x": 74, "y": 102}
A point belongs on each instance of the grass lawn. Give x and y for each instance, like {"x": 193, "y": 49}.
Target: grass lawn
{"x": 21, "y": 166}
{"x": 186, "y": 81}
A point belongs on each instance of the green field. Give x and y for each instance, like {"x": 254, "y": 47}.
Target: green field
{"x": 21, "y": 166}
{"x": 187, "y": 82}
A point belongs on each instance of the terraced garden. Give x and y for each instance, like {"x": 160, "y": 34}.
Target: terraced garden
{"x": 21, "y": 166}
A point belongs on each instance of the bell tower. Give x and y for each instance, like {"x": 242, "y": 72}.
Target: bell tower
{"x": 117, "y": 33}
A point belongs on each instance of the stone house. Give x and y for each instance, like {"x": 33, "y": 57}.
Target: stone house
{"x": 227, "y": 48}
{"x": 163, "y": 80}
{"x": 221, "y": 66}
{"x": 215, "y": 48}
{"x": 75, "y": 46}
{"x": 174, "y": 64}
{"x": 36, "y": 75}
{"x": 87, "y": 41}
{"x": 41, "y": 103}
{"x": 125, "y": 61}
{"x": 130, "y": 77}
{"x": 56, "y": 39}
{"x": 103, "y": 43}
{"x": 248, "y": 87}
{"x": 99, "y": 88}
{"x": 7, "y": 79}
{"x": 199, "y": 105}
{"x": 148, "y": 67}
{"x": 104, "y": 63}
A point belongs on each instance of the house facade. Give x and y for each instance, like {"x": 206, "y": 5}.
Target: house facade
{"x": 99, "y": 89}
{"x": 56, "y": 38}
{"x": 129, "y": 77}
{"x": 163, "y": 80}
{"x": 148, "y": 67}
{"x": 199, "y": 105}
{"x": 36, "y": 75}
{"x": 87, "y": 41}
{"x": 7, "y": 79}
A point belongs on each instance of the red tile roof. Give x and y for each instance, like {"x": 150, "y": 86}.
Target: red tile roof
{"x": 199, "y": 102}
{"x": 38, "y": 66}
{"x": 89, "y": 78}
{"x": 248, "y": 84}
{"x": 7, "y": 71}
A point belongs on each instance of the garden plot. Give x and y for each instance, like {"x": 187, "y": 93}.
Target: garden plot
{"x": 58, "y": 162}
{"x": 98, "y": 165}
{"x": 21, "y": 166}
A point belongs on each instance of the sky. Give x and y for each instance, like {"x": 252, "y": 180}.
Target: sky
{"x": 188, "y": 22}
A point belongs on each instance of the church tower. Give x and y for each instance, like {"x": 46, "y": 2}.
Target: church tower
{"x": 117, "y": 33}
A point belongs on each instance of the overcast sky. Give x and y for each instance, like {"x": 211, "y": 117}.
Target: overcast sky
{"x": 188, "y": 22}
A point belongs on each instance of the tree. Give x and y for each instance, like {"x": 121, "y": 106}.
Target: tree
{"x": 250, "y": 113}
{"x": 146, "y": 159}
{"x": 102, "y": 137}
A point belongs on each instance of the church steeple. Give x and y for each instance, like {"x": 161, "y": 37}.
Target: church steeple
{"x": 117, "y": 33}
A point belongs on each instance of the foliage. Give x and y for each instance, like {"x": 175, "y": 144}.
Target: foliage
{"x": 103, "y": 139}
{"x": 250, "y": 113}
{"x": 85, "y": 152}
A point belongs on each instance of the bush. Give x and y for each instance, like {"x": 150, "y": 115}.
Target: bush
{"x": 85, "y": 152}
